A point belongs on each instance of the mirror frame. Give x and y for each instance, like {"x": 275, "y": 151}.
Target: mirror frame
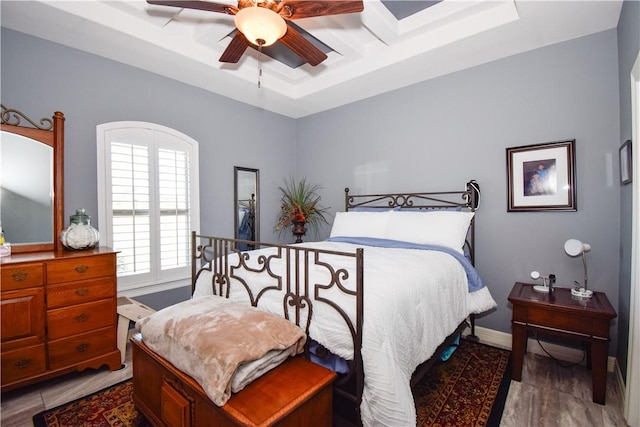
{"x": 237, "y": 169}
{"x": 49, "y": 132}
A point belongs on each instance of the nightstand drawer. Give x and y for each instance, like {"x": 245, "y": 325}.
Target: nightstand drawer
{"x": 75, "y": 269}
{"x": 64, "y": 322}
{"x": 69, "y": 351}
{"x": 80, "y": 292}
{"x": 566, "y": 322}
{"x": 23, "y": 363}
{"x": 22, "y": 276}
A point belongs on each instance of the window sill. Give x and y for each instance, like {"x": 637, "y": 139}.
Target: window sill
{"x": 145, "y": 289}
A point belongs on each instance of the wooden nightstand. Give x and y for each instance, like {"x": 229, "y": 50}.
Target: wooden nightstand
{"x": 562, "y": 315}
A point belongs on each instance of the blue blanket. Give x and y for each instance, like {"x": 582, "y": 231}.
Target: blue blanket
{"x": 473, "y": 278}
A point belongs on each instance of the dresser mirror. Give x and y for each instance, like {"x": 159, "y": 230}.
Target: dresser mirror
{"x": 246, "y": 205}
{"x": 31, "y": 180}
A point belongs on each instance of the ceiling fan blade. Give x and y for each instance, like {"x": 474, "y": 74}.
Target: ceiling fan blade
{"x": 236, "y": 48}
{"x": 302, "y": 47}
{"x": 199, "y": 5}
{"x": 296, "y": 9}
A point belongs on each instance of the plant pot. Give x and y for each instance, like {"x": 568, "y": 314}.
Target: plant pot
{"x": 299, "y": 230}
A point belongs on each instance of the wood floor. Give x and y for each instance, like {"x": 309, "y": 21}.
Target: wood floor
{"x": 549, "y": 395}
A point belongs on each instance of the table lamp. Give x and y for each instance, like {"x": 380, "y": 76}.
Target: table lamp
{"x": 574, "y": 248}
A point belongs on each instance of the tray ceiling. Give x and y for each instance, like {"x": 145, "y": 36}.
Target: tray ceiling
{"x": 391, "y": 44}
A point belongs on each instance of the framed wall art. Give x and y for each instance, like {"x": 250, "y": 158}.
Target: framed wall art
{"x": 625, "y": 162}
{"x": 541, "y": 177}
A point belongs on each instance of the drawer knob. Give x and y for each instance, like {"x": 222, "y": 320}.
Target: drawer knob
{"x": 82, "y": 347}
{"x": 23, "y": 363}
{"x": 19, "y": 276}
{"x": 82, "y": 291}
{"x": 82, "y": 268}
{"x": 82, "y": 317}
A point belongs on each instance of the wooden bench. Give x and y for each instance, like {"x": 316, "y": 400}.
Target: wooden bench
{"x": 296, "y": 393}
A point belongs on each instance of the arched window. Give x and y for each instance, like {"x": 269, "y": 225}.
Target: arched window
{"x": 148, "y": 202}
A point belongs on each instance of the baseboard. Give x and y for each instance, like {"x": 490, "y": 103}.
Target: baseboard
{"x": 622, "y": 389}
{"x": 503, "y": 340}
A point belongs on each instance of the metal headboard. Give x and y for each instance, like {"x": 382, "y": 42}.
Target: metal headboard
{"x": 468, "y": 199}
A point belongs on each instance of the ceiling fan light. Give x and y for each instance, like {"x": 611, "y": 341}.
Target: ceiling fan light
{"x": 259, "y": 23}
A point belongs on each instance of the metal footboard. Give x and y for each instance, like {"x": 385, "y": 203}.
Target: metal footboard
{"x": 285, "y": 272}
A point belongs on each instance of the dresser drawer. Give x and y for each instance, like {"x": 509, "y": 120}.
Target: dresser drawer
{"x": 22, "y": 318}
{"x": 22, "y": 363}
{"x": 80, "y": 292}
{"x": 76, "y": 269}
{"x": 67, "y": 321}
{"x": 69, "y": 351}
{"x": 21, "y": 276}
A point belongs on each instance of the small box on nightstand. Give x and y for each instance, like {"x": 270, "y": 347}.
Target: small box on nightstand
{"x": 129, "y": 310}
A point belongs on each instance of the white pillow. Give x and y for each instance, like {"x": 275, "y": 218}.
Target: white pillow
{"x": 442, "y": 228}
{"x": 360, "y": 224}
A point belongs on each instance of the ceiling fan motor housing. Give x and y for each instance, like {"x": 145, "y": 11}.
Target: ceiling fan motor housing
{"x": 268, "y": 4}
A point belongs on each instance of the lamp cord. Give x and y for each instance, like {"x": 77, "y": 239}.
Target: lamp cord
{"x": 558, "y": 361}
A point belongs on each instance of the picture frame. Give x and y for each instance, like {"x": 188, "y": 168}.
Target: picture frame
{"x": 541, "y": 177}
{"x": 625, "y": 163}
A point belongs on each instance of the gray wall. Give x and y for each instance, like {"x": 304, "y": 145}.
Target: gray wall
{"x": 431, "y": 136}
{"x": 39, "y": 77}
{"x": 438, "y": 134}
{"x": 628, "y": 47}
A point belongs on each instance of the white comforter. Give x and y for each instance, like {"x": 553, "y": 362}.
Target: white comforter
{"x": 413, "y": 299}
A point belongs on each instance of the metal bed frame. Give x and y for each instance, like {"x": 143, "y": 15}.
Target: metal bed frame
{"x": 300, "y": 294}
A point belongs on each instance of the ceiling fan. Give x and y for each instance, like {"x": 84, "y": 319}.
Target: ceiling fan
{"x": 264, "y": 22}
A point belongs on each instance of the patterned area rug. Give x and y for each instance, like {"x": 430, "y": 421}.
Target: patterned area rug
{"x": 469, "y": 389}
{"x": 112, "y": 406}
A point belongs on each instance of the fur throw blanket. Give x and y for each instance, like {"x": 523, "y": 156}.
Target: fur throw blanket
{"x": 223, "y": 345}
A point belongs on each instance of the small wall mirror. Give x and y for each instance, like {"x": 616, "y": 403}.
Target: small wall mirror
{"x": 31, "y": 190}
{"x": 247, "y": 205}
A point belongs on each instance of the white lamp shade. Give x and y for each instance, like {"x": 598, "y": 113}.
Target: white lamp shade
{"x": 260, "y": 23}
{"x": 574, "y": 247}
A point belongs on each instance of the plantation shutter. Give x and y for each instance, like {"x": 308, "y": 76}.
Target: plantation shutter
{"x": 173, "y": 187}
{"x": 148, "y": 201}
{"x": 130, "y": 190}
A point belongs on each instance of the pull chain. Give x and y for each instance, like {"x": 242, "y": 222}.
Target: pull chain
{"x": 260, "y": 43}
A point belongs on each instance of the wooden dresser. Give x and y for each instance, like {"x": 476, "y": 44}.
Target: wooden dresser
{"x": 58, "y": 314}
